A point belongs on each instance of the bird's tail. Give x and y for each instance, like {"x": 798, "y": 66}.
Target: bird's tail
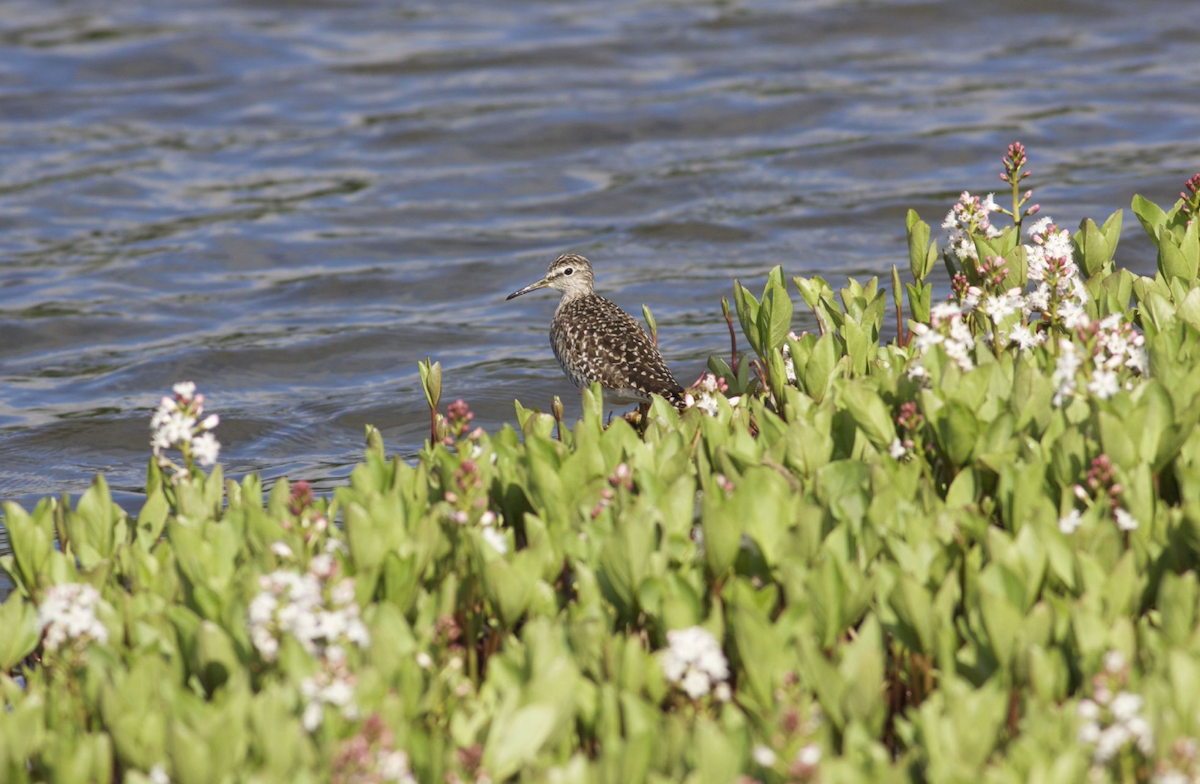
{"x": 676, "y": 397}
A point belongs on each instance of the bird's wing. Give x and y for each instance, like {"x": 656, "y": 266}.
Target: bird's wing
{"x": 628, "y": 358}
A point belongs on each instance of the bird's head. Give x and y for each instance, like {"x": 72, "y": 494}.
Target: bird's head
{"x": 570, "y": 273}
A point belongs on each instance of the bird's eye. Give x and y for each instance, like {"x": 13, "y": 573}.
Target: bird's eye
{"x": 568, "y": 271}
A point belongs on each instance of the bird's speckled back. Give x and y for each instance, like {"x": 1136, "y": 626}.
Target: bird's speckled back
{"x": 594, "y": 340}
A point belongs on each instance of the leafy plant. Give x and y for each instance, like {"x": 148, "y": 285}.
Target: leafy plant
{"x": 968, "y": 553}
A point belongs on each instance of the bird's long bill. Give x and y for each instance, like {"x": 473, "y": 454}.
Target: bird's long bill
{"x": 541, "y": 284}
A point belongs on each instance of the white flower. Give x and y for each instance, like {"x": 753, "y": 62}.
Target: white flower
{"x": 424, "y": 660}
{"x": 1040, "y": 226}
{"x": 1138, "y": 360}
{"x": 971, "y": 300}
{"x": 283, "y": 551}
{"x": 925, "y": 338}
{"x": 158, "y": 775}
{"x": 1089, "y": 733}
{"x": 174, "y": 424}
{"x": 722, "y": 693}
{"x": 763, "y": 756}
{"x": 322, "y": 565}
{"x": 314, "y": 714}
{"x": 342, "y": 594}
{"x": 1069, "y": 524}
{"x": 495, "y": 539}
{"x": 896, "y": 449}
{"x": 1073, "y": 315}
{"x": 1111, "y": 740}
{"x": 944, "y": 311}
{"x": 1103, "y": 384}
{"x": 694, "y": 660}
{"x": 205, "y": 447}
{"x": 294, "y": 604}
{"x": 67, "y": 614}
{"x": 1114, "y": 662}
{"x": 1140, "y": 729}
{"x": 1000, "y": 307}
{"x": 809, "y": 756}
{"x": 695, "y": 683}
{"x": 1172, "y": 777}
{"x": 708, "y": 404}
{"x": 1039, "y": 299}
{"x": 1024, "y": 337}
{"x": 1125, "y": 706}
{"x": 1064, "y": 371}
{"x": 393, "y": 766}
{"x": 1088, "y": 710}
{"x": 1126, "y": 521}
{"x": 789, "y": 367}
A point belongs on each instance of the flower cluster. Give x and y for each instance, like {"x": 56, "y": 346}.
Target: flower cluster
{"x": 177, "y": 424}
{"x": 706, "y": 390}
{"x": 695, "y": 662}
{"x": 1112, "y": 719}
{"x": 320, "y": 613}
{"x": 947, "y": 328}
{"x": 789, "y": 365}
{"x": 67, "y": 614}
{"x": 1109, "y": 347}
{"x": 1191, "y": 198}
{"x": 331, "y": 685}
{"x": 790, "y": 749}
{"x": 457, "y": 421}
{"x": 620, "y": 479}
{"x": 470, "y": 501}
{"x": 909, "y": 422}
{"x": 1181, "y": 765}
{"x": 1101, "y": 486}
{"x": 491, "y": 532}
{"x": 1060, "y": 295}
{"x": 370, "y": 757}
{"x": 970, "y": 215}
{"x": 306, "y": 517}
{"x": 312, "y": 607}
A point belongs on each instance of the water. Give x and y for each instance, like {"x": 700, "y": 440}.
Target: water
{"x": 291, "y": 203}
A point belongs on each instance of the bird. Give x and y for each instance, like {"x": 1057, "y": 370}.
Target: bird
{"x": 594, "y": 340}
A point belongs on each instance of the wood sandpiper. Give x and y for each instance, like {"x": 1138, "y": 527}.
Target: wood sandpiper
{"x": 594, "y": 340}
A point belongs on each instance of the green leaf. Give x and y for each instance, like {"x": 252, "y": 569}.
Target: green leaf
{"x": 918, "y": 247}
{"x": 920, "y": 301}
{"x": 817, "y": 373}
{"x": 774, "y": 315}
{"x": 1172, "y": 261}
{"x": 747, "y": 311}
{"x": 957, "y": 431}
{"x": 22, "y": 632}
{"x": 869, "y": 413}
{"x": 1092, "y": 248}
{"x": 515, "y": 741}
{"x": 859, "y": 347}
{"x": 1150, "y": 215}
